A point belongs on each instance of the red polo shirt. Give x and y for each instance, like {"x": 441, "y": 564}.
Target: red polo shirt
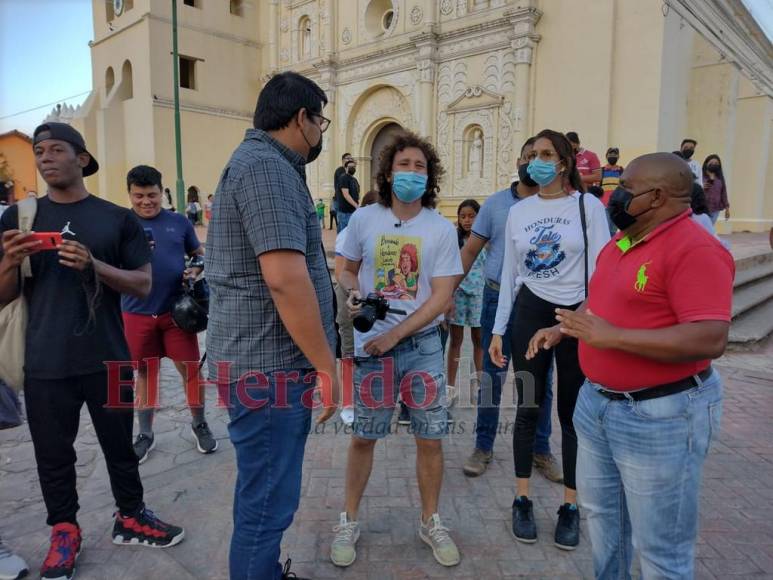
{"x": 678, "y": 273}
{"x": 587, "y": 162}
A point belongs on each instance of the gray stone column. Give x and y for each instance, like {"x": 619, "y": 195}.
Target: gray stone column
{"x": 523, "y": 42}
{"x": 426, "y": 68}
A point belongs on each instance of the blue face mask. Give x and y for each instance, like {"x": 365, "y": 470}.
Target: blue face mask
{"x": 543, "y": 172}
{"x": 409, "y": 186}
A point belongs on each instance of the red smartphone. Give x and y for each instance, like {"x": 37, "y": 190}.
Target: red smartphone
{"x": 49, "y": 240}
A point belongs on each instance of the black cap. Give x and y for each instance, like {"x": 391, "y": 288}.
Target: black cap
{"x": 64, "y": 132}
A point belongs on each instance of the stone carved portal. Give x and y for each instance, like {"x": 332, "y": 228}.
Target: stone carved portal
{"x": 381, "y": 139}
{"x": 383, "y": 109}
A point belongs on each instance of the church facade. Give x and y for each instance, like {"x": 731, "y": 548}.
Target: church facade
{"x": 478, "y": 77}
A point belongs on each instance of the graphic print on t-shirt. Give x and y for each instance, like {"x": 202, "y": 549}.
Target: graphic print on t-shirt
{"x": 66, "y": 230}
{"x": 396, "y": 275}
{"x": 545, "y": 252}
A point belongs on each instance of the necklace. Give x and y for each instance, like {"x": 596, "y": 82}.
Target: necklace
{"x": 552, "y": 196}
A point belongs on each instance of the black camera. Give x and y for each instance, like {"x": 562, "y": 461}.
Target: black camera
{"x": 374, "y": 307}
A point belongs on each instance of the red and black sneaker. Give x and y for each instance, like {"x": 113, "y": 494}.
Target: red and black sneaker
{"x": 65, "y": 547}
{"x": 145, "y": 529}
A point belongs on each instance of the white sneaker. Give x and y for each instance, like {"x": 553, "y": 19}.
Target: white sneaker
{"x": 347, "y": 416}
{"x": 435, "y": 535}
{"x": 11, "y": 565}
{"x": 342, "y": 551}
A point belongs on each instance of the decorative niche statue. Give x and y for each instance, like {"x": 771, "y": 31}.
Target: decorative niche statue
{"x": 475, "y": 157}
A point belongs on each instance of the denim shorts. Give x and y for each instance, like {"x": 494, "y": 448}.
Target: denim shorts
{"x": 414, "y": 369}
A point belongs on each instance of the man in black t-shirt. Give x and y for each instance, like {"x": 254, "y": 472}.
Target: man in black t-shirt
{"x": 348, "y": 194}
{"x": 75, "y": 343}
{"x": 346, "y": 157}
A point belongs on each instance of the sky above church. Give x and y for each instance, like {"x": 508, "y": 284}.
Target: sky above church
{"x": 45, "y": 57}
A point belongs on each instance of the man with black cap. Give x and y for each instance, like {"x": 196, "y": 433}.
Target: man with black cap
{"x": 74, "y": 338}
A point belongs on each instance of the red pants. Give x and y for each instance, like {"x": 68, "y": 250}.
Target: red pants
{"x": 152, "y": 338}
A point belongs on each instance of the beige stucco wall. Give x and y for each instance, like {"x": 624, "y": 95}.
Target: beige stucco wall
{"x": 619, "y": 72}
{"x": 208, "y": 142}
{"x": 728, "y": 116}
{"x": 123, "y": 132}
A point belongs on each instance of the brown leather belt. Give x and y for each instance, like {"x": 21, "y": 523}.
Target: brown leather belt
{"x": 660, "y": 390}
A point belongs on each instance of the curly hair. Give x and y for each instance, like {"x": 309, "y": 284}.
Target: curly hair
{"x": 435, "y": 170}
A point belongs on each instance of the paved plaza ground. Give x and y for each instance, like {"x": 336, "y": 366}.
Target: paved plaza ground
{"x": 184, "y": 487}
{"x": 195, "y": 491}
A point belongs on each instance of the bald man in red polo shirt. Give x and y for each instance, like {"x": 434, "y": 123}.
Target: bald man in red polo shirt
{"x": 658, "y": 311}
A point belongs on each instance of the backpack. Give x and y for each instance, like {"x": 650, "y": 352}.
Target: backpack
{"x": 13, "y": 316}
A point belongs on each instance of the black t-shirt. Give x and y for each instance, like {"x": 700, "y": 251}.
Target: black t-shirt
{"x": 339, "y": 172}
{"x": 349, "y": 182}
{"x": 59, "y": 342}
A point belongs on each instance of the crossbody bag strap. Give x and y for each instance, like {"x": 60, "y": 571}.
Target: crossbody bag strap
{"x": 584, "y": 222}
{"x": 27, "y": 208}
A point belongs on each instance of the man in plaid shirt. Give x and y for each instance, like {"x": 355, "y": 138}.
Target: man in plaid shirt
{"x": 271, "y": 332}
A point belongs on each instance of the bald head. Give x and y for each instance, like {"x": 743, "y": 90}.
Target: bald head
{"x": 661, "y": 186}
{"x": 664, "y": 171}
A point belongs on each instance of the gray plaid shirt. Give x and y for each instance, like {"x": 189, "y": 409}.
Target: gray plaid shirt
{"x": 261, "y": 204}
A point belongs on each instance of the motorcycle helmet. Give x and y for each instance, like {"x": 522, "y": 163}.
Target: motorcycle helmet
{"x": 190, "y": 311}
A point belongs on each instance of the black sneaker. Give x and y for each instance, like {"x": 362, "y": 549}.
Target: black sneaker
{"x": 568, "y": 527}
{"x": 143, "y": 445}
{"x": 205, "y": 441}
{"x": 404, "y": 418}
{"x": 524, "y": 526}
{"x": 287, "y": 575}
{"x": 145, "y": 529}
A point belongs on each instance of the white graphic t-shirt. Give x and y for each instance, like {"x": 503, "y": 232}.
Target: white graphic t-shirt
{"x": 544, "y": 249}
{"x": 340, "y": 241}
{"x": 399, "y": 260}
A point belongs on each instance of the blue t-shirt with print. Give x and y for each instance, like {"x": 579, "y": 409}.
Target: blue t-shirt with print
{"x": 174, "y": 238}
{"x": 490, "y": 225}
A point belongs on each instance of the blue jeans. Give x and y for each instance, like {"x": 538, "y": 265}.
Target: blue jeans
{"x": 269, "y": 442}
{"x": 415, "y": 369}
{"x": 342, "y": 220}
{"x": 490, "y": 392}
{"x": 639, "y": 467}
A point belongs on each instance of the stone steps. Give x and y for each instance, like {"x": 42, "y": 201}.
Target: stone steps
{"x": 752, "y": 300}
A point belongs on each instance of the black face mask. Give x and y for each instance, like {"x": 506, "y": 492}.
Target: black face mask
{"x": 314, "y": 150}
{"x": 687, "y": 153}
{"x": 351, "y": 170}
{"x": 524, "y": 176}
{"x": 612, "y": 160}
{"x": 619, "y": 202}
{"x": 713, "y": 167}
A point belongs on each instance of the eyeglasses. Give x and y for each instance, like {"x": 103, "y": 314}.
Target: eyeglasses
{"x": 324, "y": 122}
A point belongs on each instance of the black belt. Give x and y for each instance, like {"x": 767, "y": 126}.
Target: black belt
{"x": 660, "y": 390}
